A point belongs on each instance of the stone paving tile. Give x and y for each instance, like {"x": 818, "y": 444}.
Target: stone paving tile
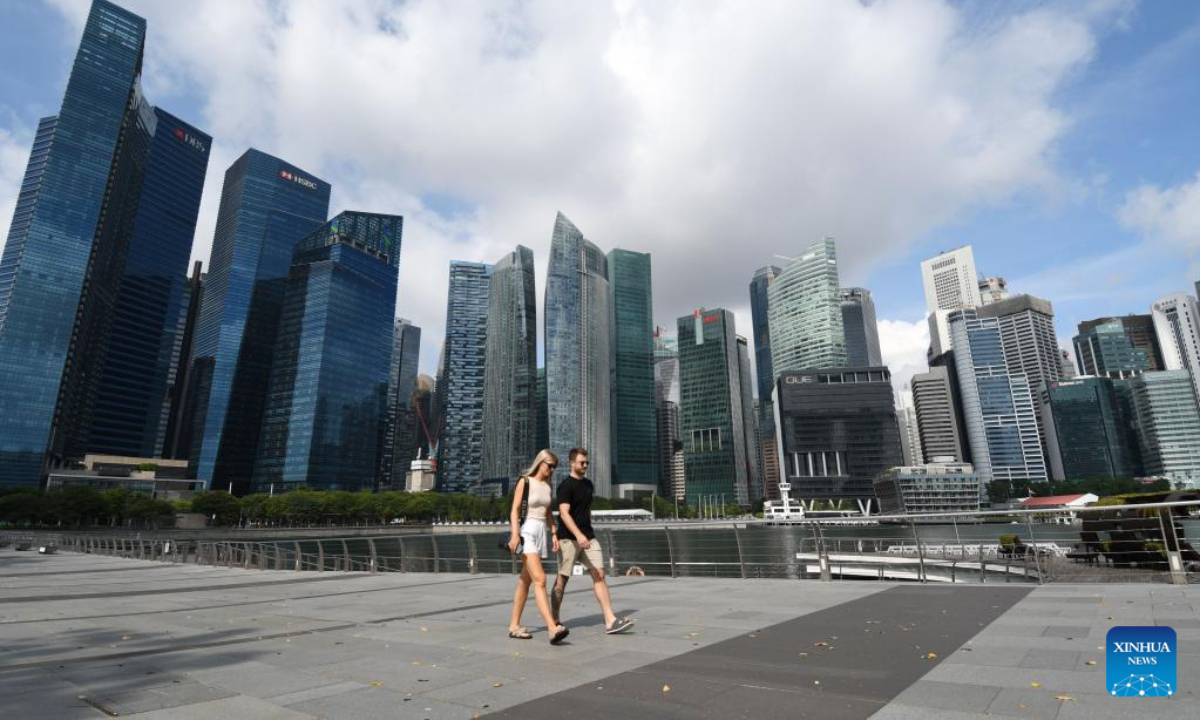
{"x": 236, "y": 708}
{"x": 1050, "y": 659}
{"x": 158, "y": 698}
{"x": 323, "y": 691}
{"x": 381, "y": 703}
{"x": 948, "y": 696}
{"x": 1026, "y": 703}
{"x": 998, "y": 656}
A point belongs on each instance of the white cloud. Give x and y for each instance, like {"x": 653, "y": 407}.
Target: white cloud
{"x": 1169, "y": 214}
{"x": 14, "y": 156}
{"x": 711, "y": 134}
{"x": 903, "y": 345}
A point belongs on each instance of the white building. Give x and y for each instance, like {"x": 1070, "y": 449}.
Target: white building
{"x": 1176, "y": 320}
{"x": 950, "y": 284}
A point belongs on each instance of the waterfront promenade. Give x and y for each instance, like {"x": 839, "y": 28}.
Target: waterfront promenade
{"x": 86, "y": 636}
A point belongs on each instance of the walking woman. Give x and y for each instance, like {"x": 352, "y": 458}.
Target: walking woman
{"x": 534, "y": 540}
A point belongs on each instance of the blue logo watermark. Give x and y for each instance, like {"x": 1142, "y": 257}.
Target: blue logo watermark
{"x": 1141, "y": 661}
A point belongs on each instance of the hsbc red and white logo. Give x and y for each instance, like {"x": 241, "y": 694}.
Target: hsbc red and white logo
{"x": 293, "y": 177}
{"x": 184, "y": 136}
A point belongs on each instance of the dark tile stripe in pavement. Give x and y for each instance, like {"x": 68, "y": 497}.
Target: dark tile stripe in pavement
{"x": 51, "y": 573}
{"x": 188, "y": 589}
{"x": 846, "y": 661}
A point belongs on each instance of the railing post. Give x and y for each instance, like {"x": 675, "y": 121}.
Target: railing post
{"x": 670, "y": 550}
{"x": 920, "y": 551}
{"x": 1037, "y": 560}
{"x": 437, "y": 560}
{"x": 741, "y": 557}
{"x": 1171, "y": 547}
{"x": 471, "y": 560}
{"x": 345, "y": 556}
{"x": 371, "y": 547}
{"x": 612, "y": 553}
{"x": 320, "y": 556}
{"x": 400, "y": 540}
{"x": 299, "y": 557}
{"x": 822, "y": 554}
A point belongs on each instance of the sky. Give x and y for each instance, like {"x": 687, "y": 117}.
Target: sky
{"x": 1058, "y": 139}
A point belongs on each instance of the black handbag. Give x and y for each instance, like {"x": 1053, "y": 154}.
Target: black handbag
{"x": 503, "y": 541}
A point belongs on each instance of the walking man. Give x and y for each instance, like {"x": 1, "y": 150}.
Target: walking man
{"x": 577, "y": 541}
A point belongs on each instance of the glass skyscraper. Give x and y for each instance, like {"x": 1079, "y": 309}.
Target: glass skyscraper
{"x": 1117, "y": 347}
{"x": 634, "y": 421}
{"x": 999, "y": 410}
{"x": 1168, "y": 422}
{"x": 805, "y": 314}
{"x": 460, "y": 386}
{"x": 133, "y": 402}
{"x": 510, "y": 403}
{"x": 267, "y": 207}
{"x": 711, "y": 414}
{"x": 760, "y": 325}
{"x": 401, "y": 440}
{"x": 578, "y": 351}
{"x": 1090, "y": 426}
{"x": 67, "y": 247}
{"x": 754, "y": 476}
{"x": 329, "y": 377}
{"x": 861, "y": 328}
{"x": 666, "y": 393}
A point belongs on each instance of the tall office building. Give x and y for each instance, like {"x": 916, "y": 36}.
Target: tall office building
{"x": 838, "y": 432}
{"x": 993, "y": 289}
{"x": 754, "y": 482}
{"x": 861, "y": 328}
{"x": 510, "y": 403}
{"x": 327, "y": 395}
{"x": 579, "y": 351}
{"x": 760, "y": 324}
{"x": 804, "y": 312}
{"x": 634, "y": 419}
{"x": 1117, "y": 347}
{"x": 937, "y": 421}
{"x": 460, "y": 385}
{"x": 400, "y": 434}
{"x": 1177, "y": 325}
{"x": 67, "y": 247}
{"x": 267, "y": 206}
{"x": 1090, "y": 427}
{"x": 711, "y": 414}
{"x": 542, "y": 433}
{"x": 1168, "y": 423}
{"x": 951, "y": 284}
{"x": 133, "y": 394}
{"x": 998, "y": 404}
{"x": 179, "y": 429}
{"x": 666, "y": 392}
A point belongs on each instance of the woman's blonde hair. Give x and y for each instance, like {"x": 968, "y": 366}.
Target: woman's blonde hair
{"x": 542, "y": 457}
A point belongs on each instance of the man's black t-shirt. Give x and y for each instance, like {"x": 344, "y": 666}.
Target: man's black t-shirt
{"x": 577, "y": 494}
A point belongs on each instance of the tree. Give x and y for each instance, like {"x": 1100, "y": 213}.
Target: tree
{"x": 219, "y": 505}
{"x": 75, "y": 505}
{"x": 21, "y": 507}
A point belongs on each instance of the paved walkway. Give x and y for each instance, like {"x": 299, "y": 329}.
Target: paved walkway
{"x": 94, "y": 637}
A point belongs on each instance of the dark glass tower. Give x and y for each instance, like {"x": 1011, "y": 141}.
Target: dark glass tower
{"x": 329, "y": 378}
{"x": 510, "y": 403}
{"x": 460, "y": 385}
{"x": 400, "y": 439}
{"x": 634, "y": 421}
{"x": 1092, "y": 421}
{"x": 267, "y": 206}
{"x": 132, "y": 401}
{"x": 67, "y": 246}
{"x": 861, "y": 328}
{"x": 179, "y": 429}
{"x": 762, "y": 331}
{"x": 1118, "y": 347}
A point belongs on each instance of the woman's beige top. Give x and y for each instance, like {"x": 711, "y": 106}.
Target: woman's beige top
{"x": 539, "y": 494}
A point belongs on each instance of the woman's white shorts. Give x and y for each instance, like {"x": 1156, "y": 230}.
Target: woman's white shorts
{"x": 535, "y": 538}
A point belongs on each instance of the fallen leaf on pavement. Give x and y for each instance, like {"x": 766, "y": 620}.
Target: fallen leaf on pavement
{"x": 666, "y": 688}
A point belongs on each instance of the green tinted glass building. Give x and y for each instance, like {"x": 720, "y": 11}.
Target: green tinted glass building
{"x": 805, "y": 312}
{"x": 1089, "y": 426}
{"x": 634, "y": 424}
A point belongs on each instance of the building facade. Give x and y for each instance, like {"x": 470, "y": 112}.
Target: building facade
{"x": 1117, "y": 347}
{"x": 133, "y": 398}
{"x": 804, "y": 312}
{"x": 1168, "y": 424}
{"x": 752, "y": 440}
{"x": 761, "y": 329}
{"x": 179, "y": 425}
{"x": 579, "y": 351}
{"x": 1177, "y": 325}
{"x": 510, "y": 402}
{"x": 327, "y": 396}
{"x": 666, "y": 393}
{"x": 861, "y": 328}
{"x": 460, "y": 386}
{"x": 937, "y": 422}
{"x": 634, "y": 417}
{"x": 712, "y": 424}
{"x": 998, "y": 405}
{"x": 951, "y": 283}
{"x": 838, "y": 432}
{"x": 931, "y": 488}
{"x": 400, "y": 436}
{"x": 267, "y": 206}
{"x": 1091, "y": 427}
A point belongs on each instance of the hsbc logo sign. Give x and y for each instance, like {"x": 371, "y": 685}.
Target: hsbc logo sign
{"x": 299, "y": 180}
{"x": 183, "y": 136}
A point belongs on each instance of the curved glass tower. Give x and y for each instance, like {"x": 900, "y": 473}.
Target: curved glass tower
{"x": 578, "y": 351}
{"x": 805, "y": 313}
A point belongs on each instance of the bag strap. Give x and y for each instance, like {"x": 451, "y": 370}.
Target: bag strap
{"x": 523, "y": 483}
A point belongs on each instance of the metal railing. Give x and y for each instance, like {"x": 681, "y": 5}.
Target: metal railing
{"x": 1145, "y": 543}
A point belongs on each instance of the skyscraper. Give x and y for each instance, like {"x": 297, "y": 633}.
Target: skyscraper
{"x": 579, "y": 351}
{"x": 460, "y": 386}
{"x": 805, "y": 314}
{"x": 754, "y": 482}
{"x": 329, "y": 379}
{"x": 133, "y": 402}
{"x": 1117, "y": 347}
{"x": 401, "y": 439}
{"x": 179, "y": 428}
{"x": 711, "y": 413}
{"x": 998, "y": 405}
{"x": 861, "y": 328}
{"x": 950, "y": 284}
{"x": 67, "y": 247}
{"x": 510, "y": 403}
{"x": 936, "y": 416}
{"x": 1177, "y": 325}
{"x": 666, "y": 390}
{"x": 634, "y": 420}
{"x": 838, "y": 432}
{"x": 267, "y": 206}
{"x": 1090, "y": 423}
{"x": 993, "y": 289}
{"x": 760, "y": 323}
{"x": 1168, "y": 424}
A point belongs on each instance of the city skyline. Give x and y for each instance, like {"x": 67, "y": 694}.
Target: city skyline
{"x": 1060, "y": 218}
